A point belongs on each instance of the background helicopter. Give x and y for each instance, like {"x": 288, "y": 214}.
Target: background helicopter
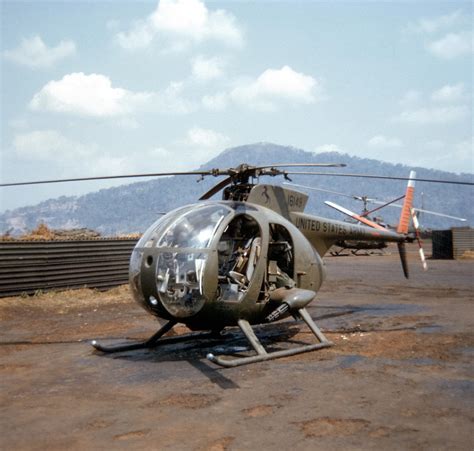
{"x": 355, "y": 246}
{"x": 253, "y": 257}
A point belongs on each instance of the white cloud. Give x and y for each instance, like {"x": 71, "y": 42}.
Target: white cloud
{"x": 452, "y": 45}
{"x": 34, "y": 53}
{"x": 181, "y": 22}
{"x": 93, "y": 95}
{"x": 435, "y": 24}
{"x": 201, "y": 137}
{"x": 159, "y": 153}
{"x": 205, "y": 69}
{"x": 384, "y": 142}
{"x": 198, "y": 146}
{"x": 268, "y": 91}
{"x": 434, "y": 115}
{"x": 89, "y": 95}
{"x": 449, "y": 93}
{"x": 110, "y": 165}
{"x": 328, "y": 148}
{"x": 171, "y": 100}
{"x": 140, "y": 36}
{"x": 73, "y": 158}
{"x": 277, "y": 85}
{"x": 216, "y": 102}
{"x": 457, "y": 157}
{"x": 49, "y": 145}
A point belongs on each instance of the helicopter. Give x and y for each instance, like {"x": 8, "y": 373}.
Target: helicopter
{"x": 254, "y": 257}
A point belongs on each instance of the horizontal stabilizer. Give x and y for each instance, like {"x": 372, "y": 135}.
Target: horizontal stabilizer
{"x": 355, "y": 216}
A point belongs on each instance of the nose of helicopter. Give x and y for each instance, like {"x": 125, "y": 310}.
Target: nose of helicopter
{"x": 171, "y": 280}
{"x": 168, "y": 264}
{"x": 179, "y": 282}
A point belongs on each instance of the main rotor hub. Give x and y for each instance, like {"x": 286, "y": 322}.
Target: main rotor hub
{"x": 241, "y": 185}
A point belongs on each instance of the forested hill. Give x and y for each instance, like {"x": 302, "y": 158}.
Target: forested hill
{"x": 132, "y": 208}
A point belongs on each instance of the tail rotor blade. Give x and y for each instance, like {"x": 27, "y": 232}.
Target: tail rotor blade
{"x": 416, "y": 225}
{"x": 403, "y": 257}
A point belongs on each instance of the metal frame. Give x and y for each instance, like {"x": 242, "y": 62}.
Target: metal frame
{"x": 262, "y": 354}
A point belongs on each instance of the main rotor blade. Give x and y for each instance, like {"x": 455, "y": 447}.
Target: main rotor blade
{"x": 108, "y": 177}
{"x": 440, "y": 214}
{"x": 213, "y": 172}
{"x": 435, "y": 213}
{"x": 216, "y": 188}
{"x": 304, "y": 165}
{"x": 319, "y": 189}
{"x": 386, "y": 177}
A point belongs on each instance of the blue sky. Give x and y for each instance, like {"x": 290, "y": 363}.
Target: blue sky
{"x": 98, "y": 88}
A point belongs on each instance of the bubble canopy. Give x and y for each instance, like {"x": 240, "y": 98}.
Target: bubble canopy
{"x": 174, "y": 251}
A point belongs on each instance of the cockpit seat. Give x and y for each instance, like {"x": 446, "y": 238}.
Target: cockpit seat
{"x": 246, "y": 263}
{"x": 253, "y": 257}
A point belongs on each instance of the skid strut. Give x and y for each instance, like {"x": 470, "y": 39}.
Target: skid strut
{"x": 150, "y": 343}
{"x": 262, "y": 354}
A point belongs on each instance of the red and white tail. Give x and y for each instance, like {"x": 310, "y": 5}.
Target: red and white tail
{"x": 405, "y": 216}
{"x": 409, "y": 213}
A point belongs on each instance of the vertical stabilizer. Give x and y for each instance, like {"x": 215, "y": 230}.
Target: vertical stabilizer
{"x": 405, "y": 216}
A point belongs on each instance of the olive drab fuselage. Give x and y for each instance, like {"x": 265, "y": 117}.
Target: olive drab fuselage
{"x": 210, "y": 264}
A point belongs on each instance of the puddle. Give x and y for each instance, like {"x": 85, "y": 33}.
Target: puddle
{"x": 468, "y": 352}
{"x": 340, "y": 363}
{"x": 422, "y": 361}
{"x": 431, "y": 329}
{"x": 351, "y": 316}
{"x": 463, "y": 388}
{"x": 393, "y": 309}
{"x": 349, "y": 361}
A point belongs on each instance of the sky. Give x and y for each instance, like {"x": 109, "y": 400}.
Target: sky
{"x": 114, "y": 87}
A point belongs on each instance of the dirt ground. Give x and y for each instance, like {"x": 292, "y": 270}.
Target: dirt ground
{"x": 400, "y": 375}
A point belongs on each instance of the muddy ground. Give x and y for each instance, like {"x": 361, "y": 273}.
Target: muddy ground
{"x": 400, "y": 375}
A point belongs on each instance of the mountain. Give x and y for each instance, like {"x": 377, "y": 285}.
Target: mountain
{"x": 132, "y": 208}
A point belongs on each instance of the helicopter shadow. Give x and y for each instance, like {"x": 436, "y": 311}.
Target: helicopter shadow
{"x": 232, "y": 343}
{"x": 193, "y": 347}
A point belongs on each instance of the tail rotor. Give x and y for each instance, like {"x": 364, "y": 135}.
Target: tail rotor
{"x": 416, "y": 226}
{"x": 409, "y": 214}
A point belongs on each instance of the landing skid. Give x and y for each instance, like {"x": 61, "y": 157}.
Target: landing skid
{"x": 150, "y": 343}
{"x": 262, "y": 354}
{"x": 155, "y": 341}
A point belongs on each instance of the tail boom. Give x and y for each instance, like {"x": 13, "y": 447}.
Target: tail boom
{"x": 322, "y": 233}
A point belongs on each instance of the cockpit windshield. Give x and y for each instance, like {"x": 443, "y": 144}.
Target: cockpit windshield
{"x": 194, "y": 228}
